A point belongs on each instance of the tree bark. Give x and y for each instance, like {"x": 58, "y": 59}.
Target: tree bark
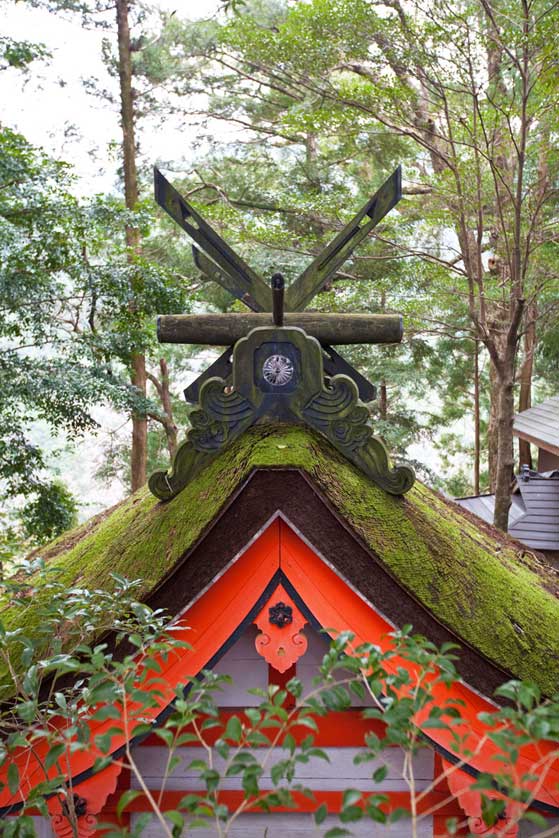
{"x": 505, "y": 451}
{"x": 477, "y": 435}
{"x": 171, "y": 429}
{"x": 492, "y": 427}
{"x": 383, "y": 400}
{"x": 138, "y": 362}
{"x": 525, "y": 378}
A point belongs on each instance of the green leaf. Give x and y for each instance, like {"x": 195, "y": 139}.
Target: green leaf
{"x": 321, "y": 814}
{"x": 223, "y": 748}
{"x": 211, "y": 779}
{"x": 207, "y": 724}
{"x": 197, "y": 765}
{"x": 491, "y": 810}
{"x": 318, "y": 753}
{"x": 358, "y": 688}
{"x": 100, "y": 763}
{"x": 189, "y": 802}
{"x": 253, "y": 715}
{"x": 350, "y": 797}
{"x": 60, "y": 700}
{"x": 54, "y": 753}
{"x": 250, "y": 778}
{"x": 535, "y": 817}
{"x": 451, "y": 825}
{"x": 177, "y": 820}
{"x": 108, "y": 711}
{"x": 13, "y": 777}
{"x": 295, "y": 687}
{"x": 380, "y": 774}
{"x": 307, "y": 721}
{"x": 125, "y": 798}
{"x": 398, "y": 814}
{"x": 103, "y": 742}
{"x": 233, "y": 729}
{"x": 166, "y": 735}
{"x": 277, "y": 771}
{"x": 351, "y": 814}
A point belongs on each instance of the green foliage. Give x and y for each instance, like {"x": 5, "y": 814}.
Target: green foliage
{"x": 73, "y": 681}
{"x": 66, "y": 318}
{"x": 49, "y": 514}
{"x": 20, "y": 54}
{"x": 327, "y": 97}
{"x": 332, "y": 95}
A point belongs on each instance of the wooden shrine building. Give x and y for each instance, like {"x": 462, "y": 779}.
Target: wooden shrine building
{"x": 282, "y": 522}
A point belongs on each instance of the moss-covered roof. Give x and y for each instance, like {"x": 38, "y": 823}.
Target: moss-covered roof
{"x": 479, "y": 583}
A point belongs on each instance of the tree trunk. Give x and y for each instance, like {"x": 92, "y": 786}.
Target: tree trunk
{"x": 139, "y": 455}
{"x": 138, "y": 362}
{"x": 492, "y": 427}
{"x": 525, "y": 377}
{"x": 383, "y": 400}
{"x": 505, "y": 451}
{"x": 476, "y": 419}
{"x": 171, "y": 429}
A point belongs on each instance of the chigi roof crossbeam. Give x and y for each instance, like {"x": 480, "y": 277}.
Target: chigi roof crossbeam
{"x": 279, "y": 368}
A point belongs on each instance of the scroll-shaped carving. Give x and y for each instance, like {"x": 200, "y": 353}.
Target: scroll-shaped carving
{"x": 222, "y": 411}
{"x": 63, "y": 828}
{"x": 89, "y": 800}
{"x": 337, "y": 412}
{"x": 221, "y": 416}
{"x": 280, "y": 641}
{"x": 469, "y": 799}
{"x": 333, "y": 408}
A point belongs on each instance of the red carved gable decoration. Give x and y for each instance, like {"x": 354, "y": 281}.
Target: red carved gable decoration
{"x": 93, "y": 794}
{"x": 460, "y": 784}
{"x": 280, "y": 641}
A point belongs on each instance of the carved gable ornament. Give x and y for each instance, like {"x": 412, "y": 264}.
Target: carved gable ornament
{"x": 280, "y": 641}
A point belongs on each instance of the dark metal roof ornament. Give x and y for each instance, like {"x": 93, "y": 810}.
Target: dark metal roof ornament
{"x": 280, "y": 614}
{"x": 79, "y": 805}
{"x": 278, "y": 370}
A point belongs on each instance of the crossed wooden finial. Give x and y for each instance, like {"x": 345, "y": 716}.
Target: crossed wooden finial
{"x": 282, "y": 366}
{"x": 217, "y": 261}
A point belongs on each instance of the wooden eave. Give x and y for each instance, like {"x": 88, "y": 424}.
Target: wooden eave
{"x": 539, "y": 443}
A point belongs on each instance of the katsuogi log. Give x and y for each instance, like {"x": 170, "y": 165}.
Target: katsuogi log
{"x": 227, "y": 329}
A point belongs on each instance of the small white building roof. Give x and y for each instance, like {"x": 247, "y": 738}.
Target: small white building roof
{"x": 540, "y": 425}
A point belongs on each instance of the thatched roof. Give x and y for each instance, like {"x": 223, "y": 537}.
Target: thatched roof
{"x": 478, "y": 582}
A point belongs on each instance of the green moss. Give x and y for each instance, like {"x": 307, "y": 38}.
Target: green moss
{"x": 473, "y": 579}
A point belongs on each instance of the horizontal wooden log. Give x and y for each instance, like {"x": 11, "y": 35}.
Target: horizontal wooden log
{"x": 227, "y": 329}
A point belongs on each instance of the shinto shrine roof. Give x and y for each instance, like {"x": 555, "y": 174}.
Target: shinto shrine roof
{"x": 479, "y": 583}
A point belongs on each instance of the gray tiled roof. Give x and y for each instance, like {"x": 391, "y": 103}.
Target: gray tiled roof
{"x": 534, "y": 514}
{"x": 539, "y": 526}
{"x": 484, "y": 506}
{"x": 541, "y": 423}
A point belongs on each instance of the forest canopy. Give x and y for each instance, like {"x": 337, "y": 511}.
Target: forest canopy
{"x": 295, "y": 114}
